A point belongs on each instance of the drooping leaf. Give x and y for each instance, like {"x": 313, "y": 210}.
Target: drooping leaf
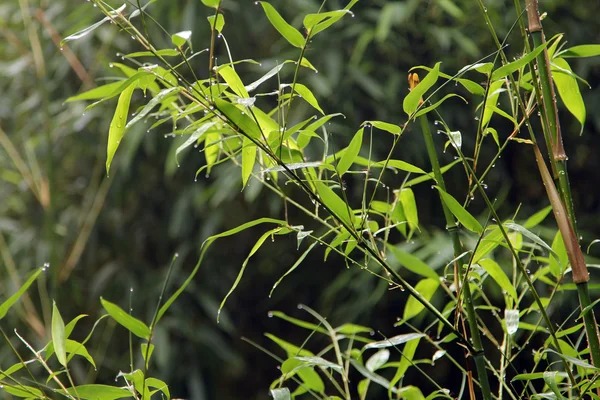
{"x": 385, "y": 126}
{"x": 233, "y": 80}
{"x": 180, "y": 38}
{"x": 568, "y": 89}
{"x": 255, "y": 248}
{"x": 334, "y": 203}
{"x": 462, "y": 215}
{"x": 291, "y": 34}
{"x": 498, "y": 275}
{"x": 241, "y": 120}
{"x": 409, "y": 205}
{"x": 156, "y": 100}
{"x": 393, "y": 341}
{"x": 308, "y": 96}
{"x": 195, "y": 136}
{"x": 413, "y": 263}
{"x": 117, "y": 125}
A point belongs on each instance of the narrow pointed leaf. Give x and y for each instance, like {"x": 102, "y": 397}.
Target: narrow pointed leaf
{"x": 8, "y": 303}
{"x": 117, "y": 125}
{"x": 568, "y": 89}
{"x": 351, "y": 152}
{"x": 498, "y": 275}
{"x": 58, "y": 336}
{"x": 520, "y": 63}
{"x": 133, "y": 325}
{"x": 412, "y": 100}
{"x": 290, "y": 33}
{"x": 462, "y": 215}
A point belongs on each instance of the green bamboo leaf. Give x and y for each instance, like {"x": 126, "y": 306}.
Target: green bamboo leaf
{"x": 334, "y": 203}
{"x": 584, "y": 50}
{"x": 281, "y": 394}
{"x": 320, "y": 362}
{"x": 426, "y": 287}
{"x": 96, "y": 93}
{"x": 159, "y": 385}
{"x": 220, "y": 22}
{"x": 86, "y": 31}
{"x": 385, "y": 126}
{"x": 248, "y": 159}
{"x": 315, "y": 23}
{"x": 194, "y": 137}
{"x": 205, "y": 245}
{"x": 8, "y": 303}
{"x": 162, "y": 53}
{"x": 156, "y": 100}
{"x": 58, "y": 336}
{"x": 241, "y": 120}
{"x": 75, "y": 348}
{"x": 413, "y": 263}
{"x": 398, "y": 164}
{"x": 308, "y": 96}
{"x": 432, "y": 107}
{"x": 117, "y": 125}
{"x": 568, "y": 89}
{"x": 233, "y": 80}
{"x": 291, "y": 34}
{"x": 408, "y": 353}
{"x": 535, "y": 238}
{"x": 97, "y": 392}
{"x": 492, "y": 240}
{"x": 255, "y": 248}
{"x": 26, "y": 392}
{"x": 492, "y": 98}
{"x": 291, "y": 349}
{"x": 409, "y": 205}
{"x": 180, "y": 38}
{"x": 300, "y": 323}
{"x": 351, "y": 152}
{"x": 132, "y": 324}
{"x": 498, "y": 275}
{"x": 412, "y": 100}
{"x": 537, "y": 218}
{"x": 211, "y": 3}
{"x": 559, "y": 260}
{"x": 520, "y": 63}
{"x": 463, "y": 216}
{"x": 393, "y": 341}
{"x": 377, "y": 360}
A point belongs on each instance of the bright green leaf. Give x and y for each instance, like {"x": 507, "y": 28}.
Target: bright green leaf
{"x": 248, "y": 159}
{"x": 498, "y": 275}
{"x": 520, "y": 63}
{"x": 334, "y": 203}
{"x": 308, "y": 96}
{"x": 117, "y": 125}
{"x": 463, "y": 216}
{"x": 426, "y": 287}
{"x": 412, "y": 100}
{"x": 412, "y": 263}
{"x": 180, "y": 38}
{"x": 290, "y": 33}
{"x": 8, "y": 303}
{"x": 133, "y": 325}
{"x": 58, "y": 336}
{"x": 568, "y": 89}
{"x": 218, "y": 26}
{"x": 351, "y": 152}
{"x": 584, "y": 50}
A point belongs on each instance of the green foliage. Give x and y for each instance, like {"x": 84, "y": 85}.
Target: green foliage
{"x": 369, "y": 214}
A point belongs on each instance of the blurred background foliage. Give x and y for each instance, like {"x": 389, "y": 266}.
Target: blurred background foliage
{"x": 104, "y": 235}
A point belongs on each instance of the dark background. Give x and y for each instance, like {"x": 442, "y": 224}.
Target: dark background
{"x": 129, "y": 226}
